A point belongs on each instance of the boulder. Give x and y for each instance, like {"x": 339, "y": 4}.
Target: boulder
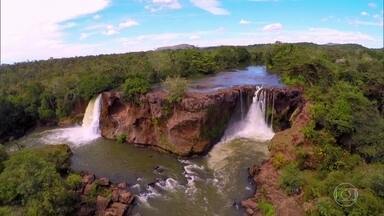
{"x": 116, "y": 209}
{"x": 249, "y": 211}
{"x": 122, "y": 185}
{"x": 103, "y": 181}
{"x": 88, "y": 179}
{"x": 249, "y": 204}
{"x": 86, "y": 210}
{"x": 88, "y": 189}
{"x": 115, "y": 195}
{"x": 101, "y": 204}
{"x": 126, "y": 197}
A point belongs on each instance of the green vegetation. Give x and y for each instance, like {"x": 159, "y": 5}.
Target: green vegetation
{"x": 3, "y": 157}
{"x": 266, "y": 208}
{"x": 45, "y": 91}
{"x": 279, "y": 160}
{"x": 176, "y": 88}
{"x": 291, "y": 180}
{"x": 344, "y": 140}
{"x": 31, "y": 183}
{"x": 121, "y": 138}
{"x": 134, "y": 87}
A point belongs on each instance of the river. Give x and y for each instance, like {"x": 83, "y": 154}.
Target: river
{"x": 165, "y": 184}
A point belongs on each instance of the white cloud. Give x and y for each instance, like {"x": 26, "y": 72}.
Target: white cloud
{"x": 157, "y": 5}
{"x": 110, "y": 30}
{"x": 273, "y": 27}
{"x": 194, "y": 37}
{"x": 68, "y": 25}
{"x": 212, "y": 6}
{"x": 96, "y": 16}
{"x": 372, "y": 5}
{"x": 84, "y": 36}
{"x": 31, "y": 29}
{"x": 95, "y": 27}
{"x": 128, "y": 23}
{"x": 327, "y": 35}
{"x": 364, "y": 13}
{"x": 358, "y": 22}
{"x": 244, "y": 22}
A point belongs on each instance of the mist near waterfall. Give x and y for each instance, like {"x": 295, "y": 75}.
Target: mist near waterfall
{"x": 79, "y": 135}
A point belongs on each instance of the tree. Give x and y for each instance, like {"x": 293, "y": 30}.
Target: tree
{"x": 176, "y": 88}
{"x": 135, "y": 86}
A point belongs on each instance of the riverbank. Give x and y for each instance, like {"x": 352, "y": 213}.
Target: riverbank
{"x": 267, "y": 176}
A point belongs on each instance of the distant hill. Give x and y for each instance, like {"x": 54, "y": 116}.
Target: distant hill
{"x": 177, "y": 47}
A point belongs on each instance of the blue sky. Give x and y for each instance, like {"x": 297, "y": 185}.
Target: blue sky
{"x": 40, "y": 29}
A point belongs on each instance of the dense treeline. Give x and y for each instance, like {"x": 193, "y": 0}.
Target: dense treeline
{"x": 345, "y": 138}
{"x": 345, "y": 85}
{"x": 44, "y": 91}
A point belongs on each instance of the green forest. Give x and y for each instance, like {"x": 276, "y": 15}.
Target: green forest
{"x": 344, "y": 85}
{"x": 45, "y": 91}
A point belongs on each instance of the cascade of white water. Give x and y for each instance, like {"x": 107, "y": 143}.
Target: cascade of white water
{"x": 91, "y": 118}
{"x": 254, "y": 125}
{"x": 81, "y": 134}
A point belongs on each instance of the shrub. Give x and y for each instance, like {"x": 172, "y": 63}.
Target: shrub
{"x": 3, "y": 157}
{"x": 313, "y": 187}
{"x": 6, "y": 211}
{"x": 134, "y": 86}
{"x": 303, "y": 158}
{"x": 279, "y": 160}
{"x": 74, "y": 181}
{"x": 176, "y": 88}
{"x": 266, "y": 208}
{"x": 121, "y": 138}
{"x": 91, "y": 85}
{"x": 367, "y": 204}
{"x": 326, "y": 206}
{"x": 377, "y": 184}
{"x": 59, "y": 155}
{"x": 290, "y": 179}
{"x": 33, "y": 182}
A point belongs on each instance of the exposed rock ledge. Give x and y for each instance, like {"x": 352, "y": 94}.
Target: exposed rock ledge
{"x": 187, "y": 128}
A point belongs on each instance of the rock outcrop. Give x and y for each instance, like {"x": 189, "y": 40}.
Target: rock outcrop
{"x": 110, "y": 199}
{"x": 189, "y": 127}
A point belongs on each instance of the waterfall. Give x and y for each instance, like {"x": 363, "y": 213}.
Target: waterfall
{"x": 255, "y": 125}
{"x": 249, "y": 133}
{"x": 76, "y": 136}
{"x": 91, "y": 118}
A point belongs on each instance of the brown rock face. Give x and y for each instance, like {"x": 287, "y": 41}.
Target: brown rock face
{"x": 187, "y": 128}
{"x": 118, "y": 203}
{"x": 190, "y": 127}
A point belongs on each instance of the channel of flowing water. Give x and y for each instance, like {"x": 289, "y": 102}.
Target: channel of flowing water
{"x": 165, "y": 184}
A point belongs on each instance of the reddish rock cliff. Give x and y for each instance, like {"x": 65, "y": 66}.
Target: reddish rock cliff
{"x": 190, "y": 127}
